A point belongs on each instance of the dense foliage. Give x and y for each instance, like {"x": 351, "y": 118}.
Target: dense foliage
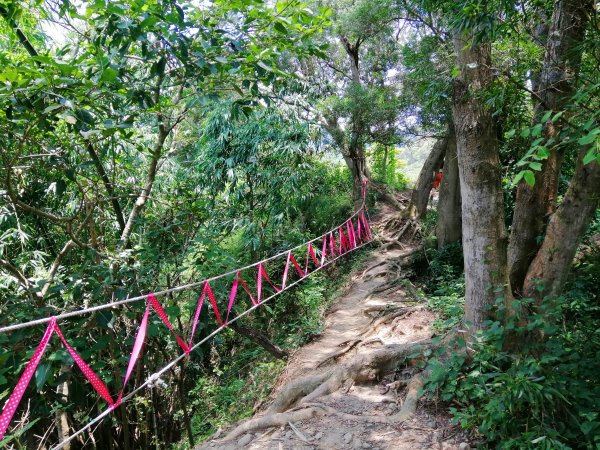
{"x": 543, "y": 396}
{"x": 149, "y": 144}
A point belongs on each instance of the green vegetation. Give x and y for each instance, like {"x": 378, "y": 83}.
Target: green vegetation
{"x": 151, "y": 144}
{"x": 542, "y": 396}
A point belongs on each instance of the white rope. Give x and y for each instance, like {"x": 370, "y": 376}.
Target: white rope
{"x": 152, "y": 378}
{"x": 91, "y": 309}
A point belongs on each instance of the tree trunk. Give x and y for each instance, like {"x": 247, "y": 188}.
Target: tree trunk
{"x": 62, "y": 418}
{"x": 555, "y": 86}
{"x": 355, "y": 157}
{"x": 550, "y": 268}
{"x": 417, "y": 208}
{"x": 260, "y": 339}
{"x": 449, "y": 224}
{"x": 484, "y": 234}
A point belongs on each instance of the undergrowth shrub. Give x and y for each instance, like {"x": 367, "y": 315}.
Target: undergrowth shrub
{"x": 444, "y": 286}
{"x": 226, "y": 396}
{"x": 544, "y": 396}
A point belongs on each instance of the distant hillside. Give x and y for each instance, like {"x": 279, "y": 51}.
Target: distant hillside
{"x": 413, "y": 155}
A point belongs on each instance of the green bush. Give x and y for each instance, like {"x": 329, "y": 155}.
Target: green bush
{"x": 444, "y": 286}
{"x": 543, "y": 396}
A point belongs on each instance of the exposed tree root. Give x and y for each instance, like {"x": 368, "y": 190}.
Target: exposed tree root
{"x": 310, "y": 410}
{"x": 401, "y": 313}
{"x": 361, "y": 368}
{"x": 275, "y": 420}
{"x": 374, "y": 266}
{"x": 380, "y": 310}
{"x": 295, "y": 390}
{"x": 337, "y": 355}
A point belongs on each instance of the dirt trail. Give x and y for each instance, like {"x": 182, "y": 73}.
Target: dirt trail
{"x": 354, "y": 326}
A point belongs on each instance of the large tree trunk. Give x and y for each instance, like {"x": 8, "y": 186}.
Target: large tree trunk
{"x": 549, "y": 269}
{"x": 417, "y": 209}
{"x": 358, "y": 168}
{"x": 484, "y": 234}
{"x": 555, "y": 86}
{"x": 355, "y": 152}
{"x": 449, "y": 223}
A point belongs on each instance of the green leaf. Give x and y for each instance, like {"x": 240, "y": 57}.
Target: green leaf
{"x": 518, "y": 177}
{"x": 105, "y": 319}
{"x": 510, "y": 133}
{"x": 529, "y": 177}
{"x": 590, "y": 156}
{"x": 109, "y": 75}
{"x": 535, "y": 166}
{"x": 590, "y": 137}
{"x": 280, "y": 28}
{"x": 546, "y": 116}
{"x": 537, "y": 130}
{"x": 264, "y": 66}
{"x": 51, "y": 108}
{"x": 41, "y": 374}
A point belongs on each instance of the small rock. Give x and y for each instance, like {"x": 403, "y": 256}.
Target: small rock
{"x": 431, "y": 424}
{"x": 389, "y": 412}
{"x": 357, "y": 444}
{"x": 347, "y": 438}
{"x": 464, "y": 446}
{"x": 367, "y": 445}
{"x": 289, "y": 435}
{"x": 318, "y": 436}
{"x": 245, "y": 440}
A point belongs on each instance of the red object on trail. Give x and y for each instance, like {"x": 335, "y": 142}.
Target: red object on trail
{"x": 438, "y": 180}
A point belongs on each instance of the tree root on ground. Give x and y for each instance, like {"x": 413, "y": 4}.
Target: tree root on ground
{"x": 275, "y": 420}
{"x": 400, "y": 313}
{"x": 392, "y": 314}
{"x": 310, "y": 410}
{"x": 362, "y": 368}
{"x": 374, "y": 266}
{"x": 339, "y": 354}
{"x": 401, "y": 226}
{"x": 389, "y": 197}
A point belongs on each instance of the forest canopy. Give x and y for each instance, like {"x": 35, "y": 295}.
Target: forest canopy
{"x": 150, "y": 144}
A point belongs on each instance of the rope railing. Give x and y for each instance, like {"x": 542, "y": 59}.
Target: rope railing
{"x": 156, "y": 375}
{"x": 349, "y": 236}
{"x": 113, "y": 304}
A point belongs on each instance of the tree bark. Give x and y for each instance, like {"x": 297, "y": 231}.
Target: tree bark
{"x": 555, "y": 86}
{"x": 417, "y": 209}
{"x": 260, "y": 339}
{"x": 107, "y": 185}
{"x": 62, "y": 418}
{"x": 147, "y": 189}
{"x": 550, "y": 267}
{"x": 449, "y": 223}
{"x": 484, "y": 234}
{"x": 355, "y": 150}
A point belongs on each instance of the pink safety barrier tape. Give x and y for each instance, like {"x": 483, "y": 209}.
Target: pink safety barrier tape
{"x": 348, "y": 240}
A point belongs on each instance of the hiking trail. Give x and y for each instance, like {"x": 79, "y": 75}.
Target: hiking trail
{"x": 345, "y": 389}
